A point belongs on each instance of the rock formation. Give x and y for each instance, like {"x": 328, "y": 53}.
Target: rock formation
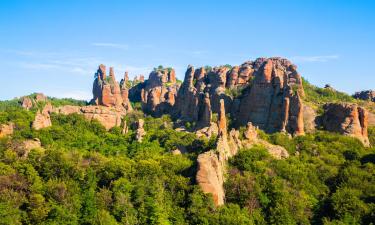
{"x": 273, "y": 101}
{"x": 6, "y": 129}
{"x": 368, "y": 95}
{"x": 23, "y": 148}
{"x": 266, "y": 92}
{"x": 158, "y": 93}
{"x": 125, "y": 128}
{"x": 211, "y": 164}
{"x": 27, "y": 102}
{"x": 108, "y": 116}
{"x": 140, "y": 132}
{"x": 106, "y": 90}
{"x": 309, "y": 118}
{"x": 347, "y": 119}
{"x": 43, "y": 118}
{"x": 210, "y": 176}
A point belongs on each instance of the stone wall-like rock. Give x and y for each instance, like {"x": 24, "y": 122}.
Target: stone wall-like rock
{"x": 347, "y": 119}
{"x": 108, "y": 116}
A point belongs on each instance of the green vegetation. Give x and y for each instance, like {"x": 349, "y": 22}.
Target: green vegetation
{"x": 330, "y": 181}
{"x": 84, "y": 174}
{"x": 160, "y": 67}
{"x": 321, "y": 96}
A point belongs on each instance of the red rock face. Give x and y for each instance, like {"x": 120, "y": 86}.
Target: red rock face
{"x": 108, "y": 92}
{"x": 271, "y": 100}
{"x": 6, "y": 129}
{"x": 158, "y": 93}
{"x": 346, "y": 119}
{"x": 43, "y": 119}
{"x": 108, "y": 116}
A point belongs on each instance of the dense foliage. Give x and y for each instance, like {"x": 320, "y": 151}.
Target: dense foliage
{"x": 84, "y": 174}
{"x": 329, "y": 179}
{"x": 321, "y": 96}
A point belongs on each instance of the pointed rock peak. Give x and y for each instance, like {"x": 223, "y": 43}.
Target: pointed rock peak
{"x": 102, "y": 72}
{"x": 267, "y": 70}
{"x": 112, "y": 73}
{"x": 126, "y": 77}
{"x": 189, "y": 76}
{"x": 222, "y": 120}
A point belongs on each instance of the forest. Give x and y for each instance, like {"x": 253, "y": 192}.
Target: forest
{"x": 83, "y": 174}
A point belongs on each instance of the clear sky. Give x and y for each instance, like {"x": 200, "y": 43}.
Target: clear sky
{"x": 55, "y": 46}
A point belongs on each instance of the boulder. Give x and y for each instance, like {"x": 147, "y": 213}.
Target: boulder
{"x": 347, "y": 119}
{"x": 210, "y": 176}
{"x": 26, "y": 103}
{"x": 43, "y": 118}
{"x": 23, "y": 149}
{"x": 6, "y": 129}
{"x": 140, "y": 132}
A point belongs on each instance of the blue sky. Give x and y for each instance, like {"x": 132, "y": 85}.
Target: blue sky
{"x": 55, "y": 46}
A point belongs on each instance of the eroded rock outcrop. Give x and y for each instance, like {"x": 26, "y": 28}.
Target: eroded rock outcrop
{"x": 140, "y": 132}
{"x": 274, "y": 100}
{"x": 266, "y": 92}
{"x": 23, "y": 148}
{"x": 347, "y": 119}
{"x": 210, "y": 176}
{"x": 107, "y": 91}
{"x": 212, "y": 164}
{"x": 27, "y": 102}
{"x": 368, "y": 95}
{"x": 6, "y": 129}
{"x": 43, "y": 118}
{"x": 158, "y": 93}
{"x": 108, "y": 116}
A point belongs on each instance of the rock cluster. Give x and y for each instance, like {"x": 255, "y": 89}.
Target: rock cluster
{"x": 27, "y": 102}
{"x": 274, "y": 100}
{"x": 347, "y": 119}
{"x": 271, "y": 95}
{"x": 108, "y": 92}
{"x": 158, "y": 93}
{"x": 368, "y": 95}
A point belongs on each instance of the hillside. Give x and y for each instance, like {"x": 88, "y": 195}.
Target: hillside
{"x": 248, "y": 144}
